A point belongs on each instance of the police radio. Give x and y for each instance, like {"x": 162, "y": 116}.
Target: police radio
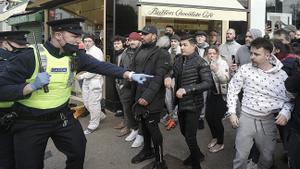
{"x": 41, "y": 68}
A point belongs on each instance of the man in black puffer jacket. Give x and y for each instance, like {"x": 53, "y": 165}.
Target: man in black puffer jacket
{"x": 150, "y": 96}
{"x": 292, "y": 85}
{"x": 192, "y": 77}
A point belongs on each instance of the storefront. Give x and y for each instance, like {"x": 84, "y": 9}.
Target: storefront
{"x": 191, "y": 16}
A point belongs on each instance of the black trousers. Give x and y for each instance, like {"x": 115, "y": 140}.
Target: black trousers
{"x": 31, "y": 137}
{"x": 188, "y": 122}
{"x": 152, "y": 133}
{"x": 6, "y": 149}
{"x": 293, "y": 147}
{"x": 215, "y": 110}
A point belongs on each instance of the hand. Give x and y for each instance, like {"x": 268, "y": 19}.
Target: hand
{"x": 142, "y": 102}
{"x": 41, "y": 79}
{"x": 234, "y": 120}
{"x": 281, "y": 120}
{"x": 140, "y": 78}
{"x": 214, "y": 67}
{"x": 168, "y": 82}
{"x": 233, "y": 67}
{"x": 180, "y": 93}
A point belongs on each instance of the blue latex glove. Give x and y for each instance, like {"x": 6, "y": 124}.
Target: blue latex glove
{"x": 140, "y": 78}
{"x": 41, "y": 79}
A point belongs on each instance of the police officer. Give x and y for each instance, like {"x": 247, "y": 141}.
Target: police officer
{"x": 43, "y": 115}
{"x": 11, "y": 42}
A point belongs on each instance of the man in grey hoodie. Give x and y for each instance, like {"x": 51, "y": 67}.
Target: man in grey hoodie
{"x": 243, "y": 53}
{"x": 264, "y": 95}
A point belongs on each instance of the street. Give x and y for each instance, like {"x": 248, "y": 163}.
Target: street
{"x": 107, "y": 151}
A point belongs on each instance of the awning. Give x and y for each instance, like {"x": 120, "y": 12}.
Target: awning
{"x": 191, "y": 9}
{"x": 230, "y": 4}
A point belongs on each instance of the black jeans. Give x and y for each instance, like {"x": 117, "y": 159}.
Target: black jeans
{"x": 293, "y": 147}
{"x": 31, "y": 137}
{"x": 6, "y": 149}
{"x": 152, "y": 132}
{"x": 188, "y": 122}
{"x": 215, "y": 110}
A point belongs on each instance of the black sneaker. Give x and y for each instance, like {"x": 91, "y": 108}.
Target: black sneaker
{"x": 188, "y": 160}
{"x": 160, "y": 165}
{"x": 142, "y": 156}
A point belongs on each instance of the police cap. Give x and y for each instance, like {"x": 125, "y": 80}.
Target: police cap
{"x": 71, "y": 25}
{"x": 19, "y": 37}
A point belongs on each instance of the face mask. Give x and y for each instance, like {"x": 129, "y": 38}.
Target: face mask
{"x": 70, "y": 49}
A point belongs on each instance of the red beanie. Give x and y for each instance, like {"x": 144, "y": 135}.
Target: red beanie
{"x": 134, "y": 36}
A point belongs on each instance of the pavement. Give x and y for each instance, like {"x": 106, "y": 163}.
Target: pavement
{"x": 107, "y": 151}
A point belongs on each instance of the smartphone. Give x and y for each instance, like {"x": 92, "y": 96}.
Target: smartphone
{"x": 233, "y": 59}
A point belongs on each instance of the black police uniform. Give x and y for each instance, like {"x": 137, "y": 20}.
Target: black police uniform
{"x": 6, "y": 118}
{"x": 34, "y": 126}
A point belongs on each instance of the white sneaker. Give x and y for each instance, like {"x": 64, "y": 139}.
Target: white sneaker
{"x": 132, "y": 135}
{"x": 102, "y": 117}
{"x": 251, "y": 165}
{"x": 88, "y": 131}
{"x": 139, "y": 140}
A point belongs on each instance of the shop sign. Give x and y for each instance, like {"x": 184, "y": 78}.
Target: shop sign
{"x": 192, "y": 13}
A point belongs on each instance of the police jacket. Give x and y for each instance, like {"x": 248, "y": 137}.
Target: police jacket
{"x": 17, "y": 71}
{"x": 292, "y": 85}
{"x": 193, "y": 74}
{"x": 151, "y": 60}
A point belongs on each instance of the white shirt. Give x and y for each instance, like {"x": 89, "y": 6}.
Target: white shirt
{"x": 264, "y": 91}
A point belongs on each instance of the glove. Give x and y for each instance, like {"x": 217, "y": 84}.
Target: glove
{"x": 140, "y": 78}
{"x": 234, "y": 120}
{"x": 41, "y": 79}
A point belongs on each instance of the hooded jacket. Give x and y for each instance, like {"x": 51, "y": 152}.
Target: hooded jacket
{"x": 264, "y": 91}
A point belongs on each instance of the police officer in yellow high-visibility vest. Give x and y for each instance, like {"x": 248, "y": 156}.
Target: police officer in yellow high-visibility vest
{"x": 44, "y": 115}
{"x": 11, "y": 43}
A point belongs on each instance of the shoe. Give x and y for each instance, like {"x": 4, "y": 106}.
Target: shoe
{"x": 119, "y": 113}
{"x": 139, "y": 140}
{"x": 200, "y": 124}
{"x": 132, "y": 135}
{"x": 123, "y": 132}
{"x": 102, "y": 117}
{"x": 120, "y": 126}
{"x": 217, "y": 148}
{"x": 164, "y": 119}
{"x": 88, "y": 131}
{"x": 251, "y": 165}
{"x": 159, "y": 165}
{"x": 188, "y": 160}
{"x": 142, "y": 156}
{"x": 212, "y": 143}
{"x": 171, "y": 124}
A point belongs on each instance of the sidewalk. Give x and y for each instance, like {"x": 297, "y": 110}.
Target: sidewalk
{"x": 107, "y": 151}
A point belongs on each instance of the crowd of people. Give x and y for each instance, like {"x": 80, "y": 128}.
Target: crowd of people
{"x": 252, "y": 84}
{"x": 192, "y": 78}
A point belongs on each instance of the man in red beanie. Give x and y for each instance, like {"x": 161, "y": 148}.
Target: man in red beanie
{"x": 124, "y": 90}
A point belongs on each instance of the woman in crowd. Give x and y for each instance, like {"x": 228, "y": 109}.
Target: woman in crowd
{"x": 216, "y": 104}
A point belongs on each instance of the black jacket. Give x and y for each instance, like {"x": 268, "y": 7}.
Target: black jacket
{"x": 156, "y": 62}
{"x": 193, "y": 74}
{"x": 292, "y": 84}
